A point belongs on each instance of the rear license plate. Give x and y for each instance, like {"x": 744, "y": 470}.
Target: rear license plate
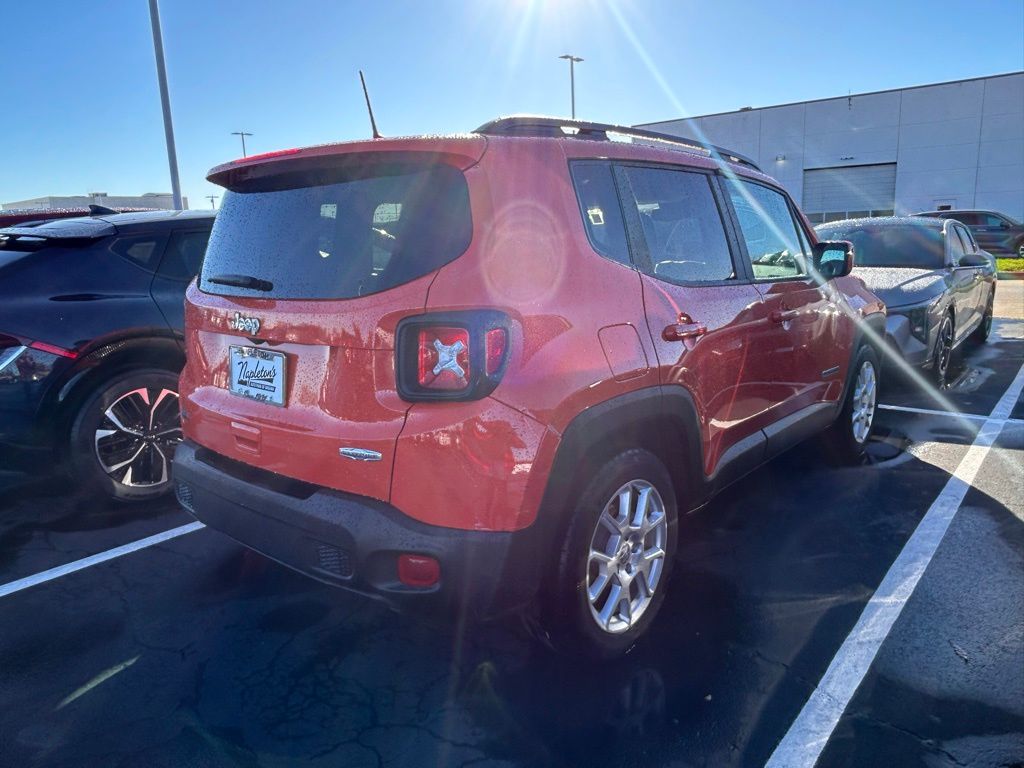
{"x": 258, "y": 374}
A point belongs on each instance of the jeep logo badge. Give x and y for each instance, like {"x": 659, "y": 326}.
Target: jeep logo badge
{"x": 249, "y": 325}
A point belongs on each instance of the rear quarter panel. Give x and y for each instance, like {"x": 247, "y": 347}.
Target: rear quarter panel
{"x": 536, "y": 265}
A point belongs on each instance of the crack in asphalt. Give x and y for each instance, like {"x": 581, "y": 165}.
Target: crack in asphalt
{"x": 924, "y": 741}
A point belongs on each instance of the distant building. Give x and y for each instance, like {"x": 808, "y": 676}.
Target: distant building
{"x": 950, "y": 145}
{"x": 163, "y": 200}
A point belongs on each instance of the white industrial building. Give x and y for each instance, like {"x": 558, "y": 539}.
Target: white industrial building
{"x": 162, "y": 200}
{"x": 949, "y": 145}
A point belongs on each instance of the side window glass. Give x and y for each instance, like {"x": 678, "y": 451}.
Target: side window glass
{"x": 682, "y": 225}
{"x": 988, "y": 220}
{"x": 968, "y": 240}
{"x": 184, "y": 256}
{"x": 599, "y": 205}
{"x": 774, "y": 246}
{"x": 805, "y": 245}
{"x": 956, "y": 247}
{"x": 144, "y": 250}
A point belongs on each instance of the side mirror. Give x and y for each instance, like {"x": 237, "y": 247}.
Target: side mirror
{"x": 974, "y": 260}
{"x": 833, "y": 258}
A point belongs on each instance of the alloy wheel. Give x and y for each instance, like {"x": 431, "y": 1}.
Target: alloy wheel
{"x": 627, "y": 556}
{"x": 137, "y": 435}
{"x": 865, "y": 396}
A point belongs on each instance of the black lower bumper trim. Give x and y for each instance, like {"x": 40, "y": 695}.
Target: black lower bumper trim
{"x": 353, "y": 541}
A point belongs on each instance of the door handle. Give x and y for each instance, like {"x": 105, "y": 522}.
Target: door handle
{"x": 784, "y": 316}
{"x": 680, "y": 331}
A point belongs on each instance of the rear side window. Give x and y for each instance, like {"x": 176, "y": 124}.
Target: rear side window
{"x": 681, "y": 224}
{"x": 144, "y": 250}
{"x": 599, "y": 204}
{"x": 184, "y": 255}
{"x": 380, "y": 227}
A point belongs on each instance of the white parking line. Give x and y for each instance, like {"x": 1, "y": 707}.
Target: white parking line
{"x": 63, "y": 570}
{"x": 806, "y": 738}
{"x": 957, "y": 414}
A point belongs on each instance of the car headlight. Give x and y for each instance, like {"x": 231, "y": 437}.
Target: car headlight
{"x": 918, "y": 317}
{"x": 919, "y": 323}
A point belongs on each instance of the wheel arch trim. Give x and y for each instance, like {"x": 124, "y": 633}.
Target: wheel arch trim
{"x": 602, "y": 430}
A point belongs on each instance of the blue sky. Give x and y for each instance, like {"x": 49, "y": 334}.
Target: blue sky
{"x": 82, "y": 110}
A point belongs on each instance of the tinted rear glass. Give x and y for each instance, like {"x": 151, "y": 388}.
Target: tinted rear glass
{"x": 381, "y": 227}
{"x": 892, "y": 246}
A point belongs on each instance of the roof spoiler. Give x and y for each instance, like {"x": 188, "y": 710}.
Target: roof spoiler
{"x": 555, "y": 127}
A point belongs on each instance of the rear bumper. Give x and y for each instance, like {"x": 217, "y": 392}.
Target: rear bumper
{"x": 353, "y": 541}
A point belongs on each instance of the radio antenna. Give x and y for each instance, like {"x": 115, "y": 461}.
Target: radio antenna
{"x": 369, "y": 108}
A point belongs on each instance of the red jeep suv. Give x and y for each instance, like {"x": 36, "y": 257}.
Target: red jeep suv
{"x": 490, "y": 371}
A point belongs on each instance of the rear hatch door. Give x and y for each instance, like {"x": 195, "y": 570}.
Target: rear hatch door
{"x": 290, "y": 328}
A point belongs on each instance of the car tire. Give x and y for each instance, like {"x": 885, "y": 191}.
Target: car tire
{"x": 603, "y": 552}
{"x": 846, "y": 440}
{"x": 981, "y": 333}
{"x": 942, "y": 358}
{"x": 123, "y": 436}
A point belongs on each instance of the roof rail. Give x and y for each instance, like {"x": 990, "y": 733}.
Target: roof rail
{"x": 554, "y": 127}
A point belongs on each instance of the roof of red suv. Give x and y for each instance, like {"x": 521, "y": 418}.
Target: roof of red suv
{"x": 581, "y": 139}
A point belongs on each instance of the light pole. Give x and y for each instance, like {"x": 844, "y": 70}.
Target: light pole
{"x": 211, "y": 198}
{"x": 573, "y": 61}
{"x": 165, "y": 102}
{"x": 241, "y": 135}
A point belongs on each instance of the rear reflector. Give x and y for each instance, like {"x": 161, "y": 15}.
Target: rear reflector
{"x": 418, "y": 570}
{"x": 443, "y": 354}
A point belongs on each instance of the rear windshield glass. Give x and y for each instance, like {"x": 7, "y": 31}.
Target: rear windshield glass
{"x": 892, "y": 246}
{"x": 339, "y": 240}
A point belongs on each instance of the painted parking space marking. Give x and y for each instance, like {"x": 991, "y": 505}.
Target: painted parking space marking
{"x": 957, "y": 414}
{"x": 63, "y": 570}
{"x": 807, "y": 736}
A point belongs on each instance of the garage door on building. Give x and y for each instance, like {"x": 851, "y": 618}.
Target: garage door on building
{"x": 850, "y": 192}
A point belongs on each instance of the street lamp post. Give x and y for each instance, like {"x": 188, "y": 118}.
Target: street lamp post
{"x": 241, "y": 135}
{"x": 165, "y": 102}
{"x": 211, "y": 198}
{"x": 573, "y": 60}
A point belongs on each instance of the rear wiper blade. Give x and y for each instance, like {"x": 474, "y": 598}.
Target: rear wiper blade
{"x": 242, "y": 281}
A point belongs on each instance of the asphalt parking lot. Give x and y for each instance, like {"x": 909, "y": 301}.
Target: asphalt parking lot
{"x": 194, "y": 651}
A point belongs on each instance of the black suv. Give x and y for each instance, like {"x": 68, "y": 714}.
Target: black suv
{"x": 994, "y": 232}
{"x": 91, "y": 316}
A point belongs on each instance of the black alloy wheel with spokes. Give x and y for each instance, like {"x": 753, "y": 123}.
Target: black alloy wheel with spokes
{"x": 124, "y": 435}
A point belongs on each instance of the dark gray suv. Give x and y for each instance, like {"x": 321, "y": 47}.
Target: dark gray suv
{"x": 995, "y": 232}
